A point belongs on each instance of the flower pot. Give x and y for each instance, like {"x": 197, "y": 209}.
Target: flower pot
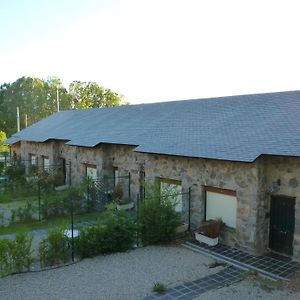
{"x": 206, "y": 240}
{"x": 126, "y": 206}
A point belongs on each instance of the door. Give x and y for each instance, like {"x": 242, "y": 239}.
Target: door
{"x": 282, "y": 224}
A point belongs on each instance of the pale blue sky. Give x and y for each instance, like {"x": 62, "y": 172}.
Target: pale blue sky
{"x": 154, "y": 50}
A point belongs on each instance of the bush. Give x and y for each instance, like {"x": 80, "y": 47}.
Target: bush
{"x": 5, "y": 262}
{"x": 159, "y": 288}
{"x": 21, "y": 253}
{"x": 59, "y": 203}
{"x": 157, "y": 218}
{"x": 16, "y": 255}
{"x": 212, "y": 228}
{"x": 54, "y": 249}
{"x": 26, "y": 213}
{"x": 116, "y": 233}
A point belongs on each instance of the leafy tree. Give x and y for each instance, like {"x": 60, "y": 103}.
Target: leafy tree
{"x": 37, "y": 99}
{"x": 3, "y": 147}
{"x": 90, "y": 94}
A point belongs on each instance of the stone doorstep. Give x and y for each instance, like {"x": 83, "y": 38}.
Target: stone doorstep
{"x": 240, "y": 265}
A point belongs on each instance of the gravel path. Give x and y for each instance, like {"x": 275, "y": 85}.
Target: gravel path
{"x": 129, "y": 275}
{"x": 249, "y": 289}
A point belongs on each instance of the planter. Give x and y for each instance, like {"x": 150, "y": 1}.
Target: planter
{"x": 68, "y": 233}
{"x": 61, "y": 188}
{"x": 182, "y": 228}
{"x": 126, "y": 206}
{"x": 206, "y": 240}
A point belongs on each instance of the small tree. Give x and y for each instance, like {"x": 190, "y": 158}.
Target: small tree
{"x": 157, "y": 217}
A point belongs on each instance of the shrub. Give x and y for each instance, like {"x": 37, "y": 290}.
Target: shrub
{"x": 16, "y": 172}
{"x": 21, "y": 253}
{"x": 212, "y": 228}
{"x": 157, "y": 218}
{"x": 116, "y": 233}
{"x": 54, "y": 249}
{"x": 159, "y": 288}
{"x": 59, "y": 203}
{"x": 16, "y": 255}
{"x": 117, "y": 192}
{"x": 5, "y": 262}
{"x": 26, "y": 213}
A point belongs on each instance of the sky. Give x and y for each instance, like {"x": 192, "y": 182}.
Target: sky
{"x": 155, "y": 50}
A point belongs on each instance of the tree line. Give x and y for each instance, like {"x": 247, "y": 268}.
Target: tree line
{"x": 37, "y": 99}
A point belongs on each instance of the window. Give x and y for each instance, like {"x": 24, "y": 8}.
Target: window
{"x": 173, "y": 189}
{"x": 33, "y": 159}
{"x": 221, "y": 203}
{"x": 91, "y": 171}
{"x": 116, "y": 176}
{"x": 46, "y": 163}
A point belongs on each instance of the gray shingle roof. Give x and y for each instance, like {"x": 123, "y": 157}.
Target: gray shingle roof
{"x": 238, "y": 128}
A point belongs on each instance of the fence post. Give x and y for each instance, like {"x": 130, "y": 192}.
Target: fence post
{"x": 189, "y": 225}
{"x": 129, "y": 182}
{"x": 137, "y": 219}
{"x": 72, "y": 229}
{"x": 72, "y": 213}
{"x": 70, "y": 174}
{"x": 88, "y": 193}
{"x": 39, "y": 198}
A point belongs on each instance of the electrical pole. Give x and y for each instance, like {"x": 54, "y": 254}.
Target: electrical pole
{"x": 26, "y": 120}
{"x": 18, "y": 118}
{"x": 57, "y": 98}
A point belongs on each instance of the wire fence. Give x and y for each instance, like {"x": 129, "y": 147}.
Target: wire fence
{"x": 42, "y": 198}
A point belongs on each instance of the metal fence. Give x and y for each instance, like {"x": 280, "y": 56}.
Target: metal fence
{"x": 36, "y": 194}
{"x": 185, "y": 205}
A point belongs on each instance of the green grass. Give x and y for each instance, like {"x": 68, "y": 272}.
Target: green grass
{"x": 22, "y": 227}
{"x": 12, "y": 197}
{"x": 31, "y": 196}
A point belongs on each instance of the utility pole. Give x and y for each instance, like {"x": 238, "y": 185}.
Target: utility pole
{"x": 57, "y": 98}
{"x": 26, "y": 120}
{"x": 18, "y": 118}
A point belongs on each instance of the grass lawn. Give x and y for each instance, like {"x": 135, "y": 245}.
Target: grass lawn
{"x": 22, "y": 227}
{"x": 12, "y": 197}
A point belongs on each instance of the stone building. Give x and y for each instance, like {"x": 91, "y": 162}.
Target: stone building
{"x": 239, "y": 156}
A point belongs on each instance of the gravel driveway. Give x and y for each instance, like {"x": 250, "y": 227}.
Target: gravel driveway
{"x": 249, "y": 289}
{"x": 129, "y": 275}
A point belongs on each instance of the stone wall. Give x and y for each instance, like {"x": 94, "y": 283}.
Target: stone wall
{"x": 253, "y": 182}
{"x": 197, "y": 173}
{"x": 281, "y": 177}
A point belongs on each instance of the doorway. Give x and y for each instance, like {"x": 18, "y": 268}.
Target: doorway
{"x": 282, "y": 224}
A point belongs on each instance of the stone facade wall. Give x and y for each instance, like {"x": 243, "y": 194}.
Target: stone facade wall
{"x": 38, "y": 149}
{"x": 15, "y": 150}
{"x": 55, "y": 150}
{"x": 197, "y": 173}
{"x": 281, "y": 176}
{"x": 254, "y": 183}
